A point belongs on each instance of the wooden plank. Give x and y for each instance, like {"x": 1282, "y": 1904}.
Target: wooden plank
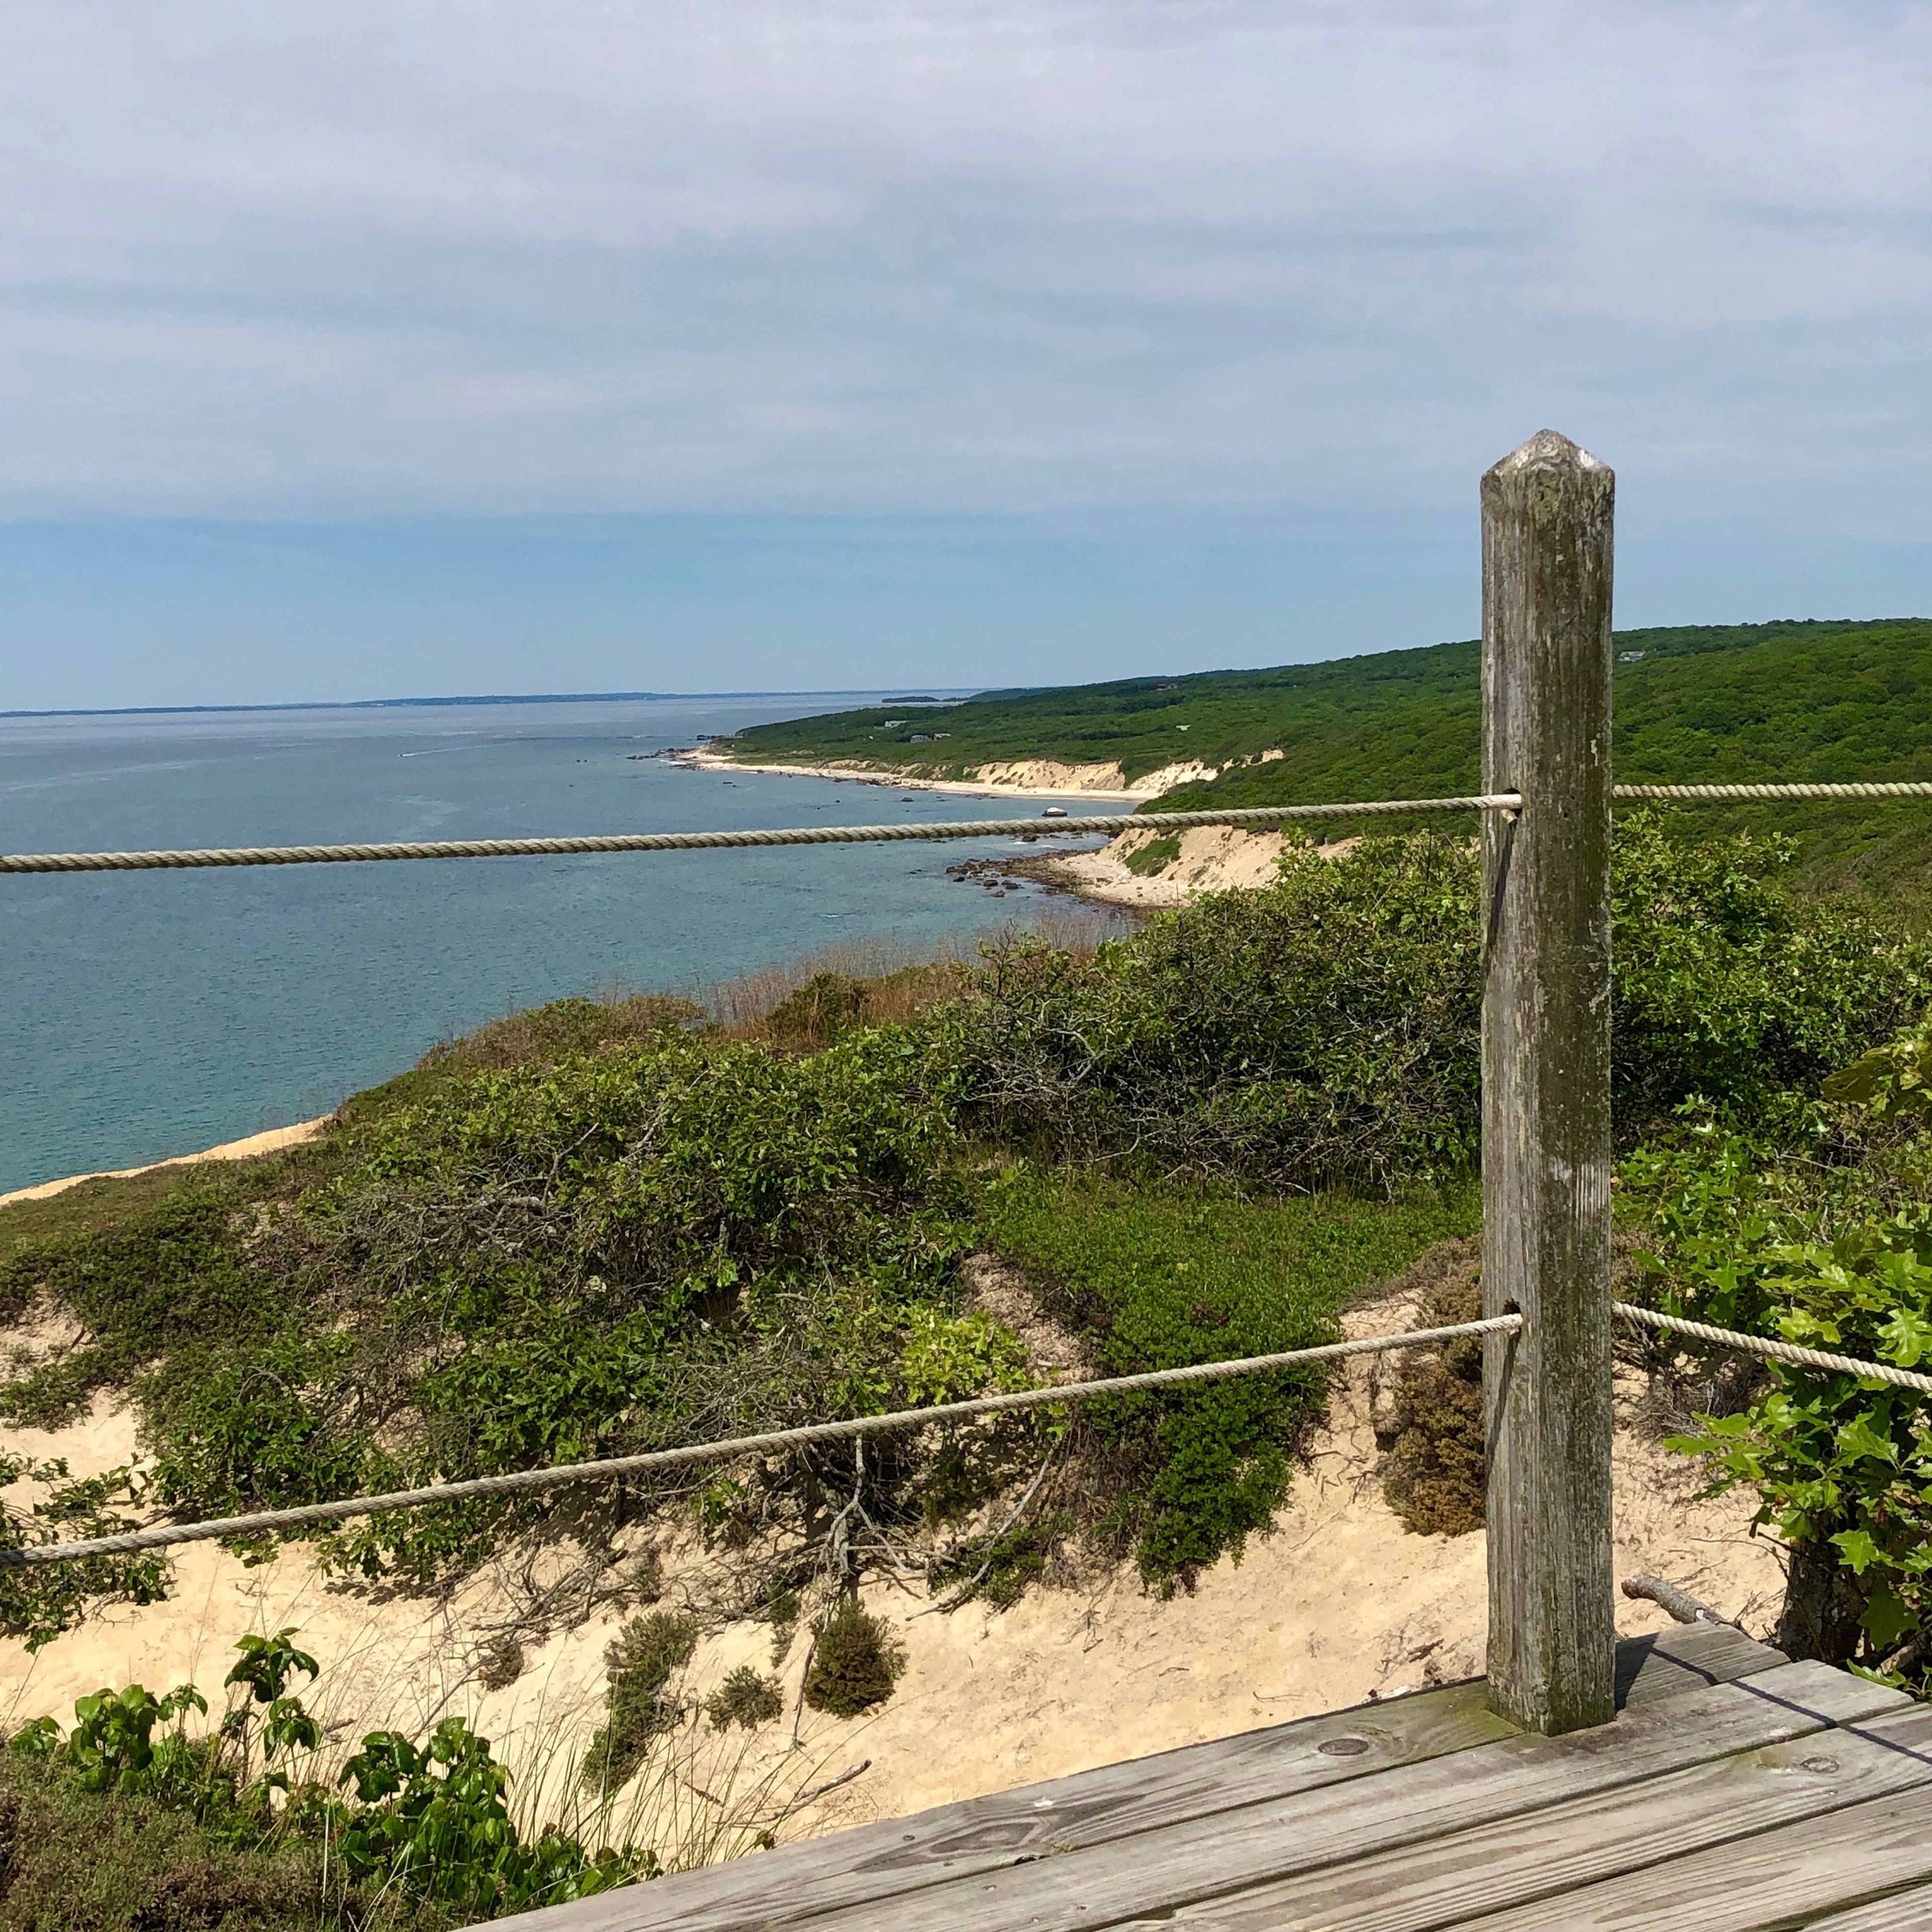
{"x": 1560, "y": 1854}
{"x": 1908, "y": 1911}
{"x": 1089, "y": 1808}
{"x": 954, "y": 1841}
{"x": 1501, "y": 1783}
{"x": 1547, "y": 510}
{"x": 1684, "y": 1657}
{"x": 1777, "y": 1880}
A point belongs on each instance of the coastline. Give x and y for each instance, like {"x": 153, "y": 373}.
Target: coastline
{"x": 1211, "y": 859}
{"x": 271, "y": 1142}
{"x": 698, "y": 759}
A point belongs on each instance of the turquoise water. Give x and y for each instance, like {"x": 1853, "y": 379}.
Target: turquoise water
{"x": 147, "y": 1015}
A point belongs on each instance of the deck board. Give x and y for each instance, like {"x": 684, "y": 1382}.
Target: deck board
{"x": 1908, "y": 1911}
{"x": 1191, "y": 1834}
{"x": 1788, "y": 1878}
{"x": 1505, "y": 1785}
{"x": 1567, "y": 1851}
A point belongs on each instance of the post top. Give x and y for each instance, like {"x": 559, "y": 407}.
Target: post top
{"x": 1545, "y": 450}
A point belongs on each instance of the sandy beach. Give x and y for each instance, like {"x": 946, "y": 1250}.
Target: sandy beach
{"x": 1038, "y": 778}
{"x": 271, "y": 1142}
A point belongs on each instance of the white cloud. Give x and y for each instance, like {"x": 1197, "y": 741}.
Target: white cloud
{"x": 357, "y": 258}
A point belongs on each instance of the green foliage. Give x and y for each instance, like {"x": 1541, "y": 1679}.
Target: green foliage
{"x": 856, "y": 1662}
{"x": 1727, "y": 985}
{"x": 175, "y": 1275}
{"x": 1839, "y": 1459}
{"x": 82, "y": 1861}
{"x": 112, "y": 1743}
{"x": 39, "y": 1602}
{"x": 1324, "y": 1032}
{"x": 953, "y": 1357}
{"x": 1893, "y": 1081}
{"x": 828, "y": 1006}
{"x": 1320, "y": 1032}
{"x": 539, "y": 1036}
{"x": 548, "y": 1264}
{"x": 632, "y": 1233}
{"x": 643, "y": 1658}
{"x": 426, "y": 1838}
{"x": 433, "y": 1821}
{"x": 746, "y": 1697}
{"x": 1165, "y": 1276}
{"x": 1156, "y": 856}
{"x": 1814, "y": 1229}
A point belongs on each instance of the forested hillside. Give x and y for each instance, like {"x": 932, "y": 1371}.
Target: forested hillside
{"x": 1820, "y": 701}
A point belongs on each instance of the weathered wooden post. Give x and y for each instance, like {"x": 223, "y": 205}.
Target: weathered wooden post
{"x": 1546, "y": 557}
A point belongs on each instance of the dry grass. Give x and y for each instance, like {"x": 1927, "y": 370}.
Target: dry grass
{"x": 901, "y": 978}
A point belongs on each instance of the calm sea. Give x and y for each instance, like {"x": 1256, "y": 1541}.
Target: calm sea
{"x": 147, "y": 1015}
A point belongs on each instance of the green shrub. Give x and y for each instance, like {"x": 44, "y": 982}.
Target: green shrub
{"x": 827, "y": 1007}
{"x": 432, "y": 1823}
{"x": 600, "y": 1229}
{"x": 114, "y": 1827}
{"x": 643, "y": 1658}
{"x": 539, "y": 1036}
{"x": 746, "y": 1697}
{"x": 1324, "y": 1031}
{"x": 1827, "y": 1256}
{"x": 856, "y": 1662}
{"x": 1319, "y": 1032}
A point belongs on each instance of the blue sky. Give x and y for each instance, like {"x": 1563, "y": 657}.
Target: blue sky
{"x": 357, "y": 350}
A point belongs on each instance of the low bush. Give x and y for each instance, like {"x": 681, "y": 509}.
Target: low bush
{"x": 604, "y": 1228}
{"x": 132, "y": 1820}
{"x": 642, "y": 1659}
{"x": 828, "y": 1006}
{"x": 856, "y": 1662}
{"x": 1435, "y": 1474}
{"x": 38, "y": 1603}
{"x": 746, "y": 1697}
{"x": 1324, "y": 1032}
{"x": 1821, "y": 1237}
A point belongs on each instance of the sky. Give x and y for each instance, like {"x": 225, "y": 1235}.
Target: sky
{"x": 355, "y": 350}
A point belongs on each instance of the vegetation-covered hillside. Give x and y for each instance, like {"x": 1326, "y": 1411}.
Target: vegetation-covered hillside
{"x": 1824, "y": 702}
{"x": 606, "y": 1227}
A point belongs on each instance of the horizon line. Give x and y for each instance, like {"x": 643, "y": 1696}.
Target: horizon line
{"x": 480, "y": 697}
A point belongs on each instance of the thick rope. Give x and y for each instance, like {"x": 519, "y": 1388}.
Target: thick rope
{"x": 705, "y": 842}
{"x": 1914, "y": 790}
{"x": 165, "y": 1536}
{"x": 1776, "y": 1351}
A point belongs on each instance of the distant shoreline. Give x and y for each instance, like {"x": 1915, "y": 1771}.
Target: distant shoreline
{"x": 431, "y": 703}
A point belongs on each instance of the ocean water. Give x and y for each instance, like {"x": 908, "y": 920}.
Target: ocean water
{"x": 147, "y": 1015}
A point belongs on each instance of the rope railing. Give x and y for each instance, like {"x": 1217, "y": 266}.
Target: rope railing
{"x": 165, "y": 1536}
{"x": 710, "y": 842}
{"x": 215, "y": 857}
{"x": 1772, "y": 1350}
{"x": 1711, "y": 793}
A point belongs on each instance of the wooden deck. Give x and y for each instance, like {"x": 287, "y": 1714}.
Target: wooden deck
{"x": 1734, "y": 1792}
